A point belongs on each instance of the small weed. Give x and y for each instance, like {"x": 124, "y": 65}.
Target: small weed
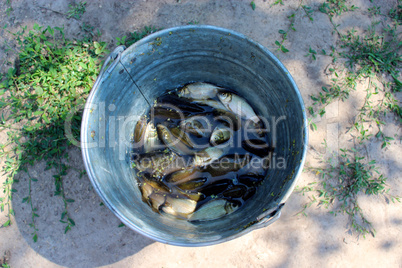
{"x": 342, "y": 184}
{"x": 252, "y": 4}
{"x": 277, "y": 2}
{"x": 193, "y": 22}
{"x": 77, "y": 10}
{"x": 88, "y": 33}
{"x": 374, "y": 58}
{"x": 121, "y": 41}
{"x": 374, "y": 10}
{"x": 312, "y": 53}
{"x": 396, "y": 13}
{"x": 9, "y": 8}
{"x": 53, "y": 76}
{"x": 369, "y": 56}
{"x": 284, "y": 33}
{"x": 5, "y": 259}
{"x": 136, "y": 36}
{"x": 336, "y": 7}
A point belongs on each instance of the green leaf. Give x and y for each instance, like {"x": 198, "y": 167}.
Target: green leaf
{"x": 35, "y": 238}
{"x": 38, "y": 90}
{"x": 71, "y": 221}
{"x": 252, "y": 4}
{"x": 277, "y": 43}
{"x": 44, "y": 117}
{"x": 70, "y": 200}
{"x": 284, "y": 50}
{"x": 7, "y": 223}
{"x": 282, "y": 32}
{"x": 37, "y": 113}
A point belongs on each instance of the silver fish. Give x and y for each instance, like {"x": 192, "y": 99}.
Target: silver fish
{"x": 214, "y": 209}
{"x": 207, "y": 156}
{"x": 158, "y": 164}
{"x": 139, "y": 130}
{"x": 173, "y": 143}
{"x": 198, "y": 125}
{"x": 199, "y": 90}
{"x": 238, "y": 106}
{"x": 183, "y": 175}
{"x": 230, "y": 119}
{"x": 179, "y": 207}
{"x": 146, "y": 190}
{"x": 212, "y": 103}
{"x": 178, "y": 133}
{"x": 220, "y": 135}
{"x": 151, "y": 140}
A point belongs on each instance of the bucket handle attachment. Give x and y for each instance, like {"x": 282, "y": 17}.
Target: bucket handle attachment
{"x": 268, "y": 217}
{"x": 108, "y": 66}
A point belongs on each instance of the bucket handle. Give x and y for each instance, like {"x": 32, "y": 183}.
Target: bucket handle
{"x": 268, "y": 217}
{"x": 108, "y": 66}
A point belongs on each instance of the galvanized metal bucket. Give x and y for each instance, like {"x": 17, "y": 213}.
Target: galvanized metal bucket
{"x": 132, "y": 77}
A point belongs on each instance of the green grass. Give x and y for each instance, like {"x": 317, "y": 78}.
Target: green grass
{"x": 342, "y": 183}
{"x": 284, "y": 33}
{"x": 76, "y": 10}
{"x": 53, "y": 77}
{"x": 46, "y": 89}
{"x": 135, "y": 36}
{"x": 374, "y": 57}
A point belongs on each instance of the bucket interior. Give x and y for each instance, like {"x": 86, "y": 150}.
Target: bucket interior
{"x": 170, "y": 59}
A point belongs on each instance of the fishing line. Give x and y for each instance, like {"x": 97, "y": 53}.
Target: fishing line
{"x": 135, "y": 83}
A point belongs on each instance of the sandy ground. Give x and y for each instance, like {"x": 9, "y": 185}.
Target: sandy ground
{"x": 319, "y": 240}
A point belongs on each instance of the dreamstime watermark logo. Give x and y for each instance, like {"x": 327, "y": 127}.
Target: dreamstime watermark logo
{"x": 105, "y": 128}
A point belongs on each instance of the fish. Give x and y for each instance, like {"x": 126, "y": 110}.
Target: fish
{"x": 182, "y": 136}
{"x": 157, "y": 200}
{"x": 198, "y": 125}
{"x": 211, "y": 103}
{"x": 238, "y": 106}
{"x": 159, "y": 164}
{"x": 216, "y": 187}
{"x": 250, "y": 179}
{"x": 166, "y": 112}
{"x": 151, "y": 140}
{"x": 226, "y": 164}
{"x": 179, "y": 207}
{"x": 250, "y": 192}
{"x": 173, "y": 143}
{"x": 220, "y": 135}
{"x": 192, "y": 184}
{"x": 207, "y": 156}
{"x": 257, "y": 147}
{"x": 174, "y": 102}
{"x": 146, "y": 191}
{"x": 199, "y": 90}
{"x": 183, "y": 175}
{"x": 139, "y": 130}
{"x": 237, "y": 191}
{"x": 212, "y": 210}
{"x": 229, "y": 118}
